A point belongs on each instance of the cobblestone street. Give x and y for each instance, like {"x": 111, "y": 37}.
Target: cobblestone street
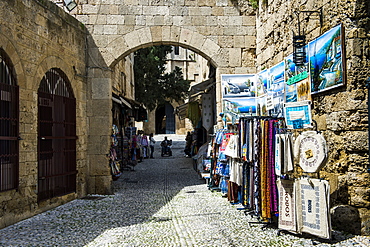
{"x": 162, "y": 203}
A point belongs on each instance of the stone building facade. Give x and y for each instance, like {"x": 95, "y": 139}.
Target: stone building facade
{"x": 37, "y": 38}
{"x": 341, "y": 114}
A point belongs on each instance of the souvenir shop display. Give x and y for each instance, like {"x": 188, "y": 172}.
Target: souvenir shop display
{"x": 114, "y": 153}
{"x": 310, "y": 151}
{"x": 298, "y": 115}
{"x": 312, "y": 196}
{"x": 253, "y": 162}
{"x": 269, "y": 144}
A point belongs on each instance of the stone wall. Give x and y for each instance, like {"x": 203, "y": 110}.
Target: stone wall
{"x": 38, "y": 36}
{"x": 342, "y": 113}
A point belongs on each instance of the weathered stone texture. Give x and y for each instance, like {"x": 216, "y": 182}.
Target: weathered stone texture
{"x": 341, "y": 114}
{"x": 37, "y": 39}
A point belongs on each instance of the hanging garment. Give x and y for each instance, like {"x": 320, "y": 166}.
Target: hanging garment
{"x": 265, "y": 189}
{"x": 224, "y": 186}
{"x": 310, "y": 151}
{"x": 193, "y": 112}
{"x": 207, "y": 111}
{"x": 312, "y": 203}
{"x": 256, "y": 168}
{"x": 246, "y": 185}
{"x": 232, "y": 147}
{"x": 287, "y": 208}
{"x": 278, "y": 154}
{"x": 288, "y": 165}
{"x": 271, "y": 161}
{"x": 232, "y": 193}
{"x": 250, "y": 141}
{"x": 236, "y": 172}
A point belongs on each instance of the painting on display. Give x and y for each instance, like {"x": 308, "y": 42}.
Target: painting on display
{"x": 238, "y": 96}
{"x": 298, "y": 115}
{"x": 239, "y": 85}
{"x": 293, "y": 73}
{"x": 327, "y": 64}
{"x": 291, "y": 94}
{"x": 276, "y": 87}
{"x": 234, "y": 108}
{"x": 262, "y": 82}
{"x": 262, "y": 106}
{"x": 303, "y": 90}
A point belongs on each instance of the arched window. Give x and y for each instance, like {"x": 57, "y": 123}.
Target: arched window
{"x": 9, "y": 122}
{"x": 57, "y": 136}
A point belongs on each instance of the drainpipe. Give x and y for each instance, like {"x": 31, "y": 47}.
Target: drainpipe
{"x": 368, "y": 119}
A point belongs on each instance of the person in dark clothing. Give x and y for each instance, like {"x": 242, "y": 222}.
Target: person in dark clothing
{"x": 151, "y": 145}
{"x": 188, "y": 140}
{"x": 166, "y": 146}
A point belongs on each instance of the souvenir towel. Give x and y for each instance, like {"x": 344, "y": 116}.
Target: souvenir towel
{"x": 313, "y": 215}
{"x": 207, "y": 111}
{"x": 278, "y": 154}
{"x": 310, "y": 151}
{"x": 236, "y": 172}
{"x": 287, "y": 210}
{"x": 288, "y": 153}
{"x": 232, "y": 147}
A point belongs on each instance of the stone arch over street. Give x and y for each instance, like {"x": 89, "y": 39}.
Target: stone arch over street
{"x": 176, "y": 36}
{"x": 217, "y": 30}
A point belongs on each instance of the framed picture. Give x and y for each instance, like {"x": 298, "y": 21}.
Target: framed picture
{"x": 327, "y": 60}
{"x": 262, "y": 82}
{"x": 304, "y": 90}
{"x": 238, "y": 85}
{"x": 238, "y": 96}
{"x": 275, "y": 90}
{"x": 298, "y": 115}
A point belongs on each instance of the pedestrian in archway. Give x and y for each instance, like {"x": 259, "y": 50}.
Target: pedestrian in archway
{"x": 151, "y": 144}
{"x": 189, "y": 140}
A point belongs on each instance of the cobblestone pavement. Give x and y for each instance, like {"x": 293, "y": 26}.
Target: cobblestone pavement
{"x": 162, "y": 203}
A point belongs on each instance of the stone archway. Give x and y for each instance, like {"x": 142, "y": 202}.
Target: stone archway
{"x": 216, "y": 30}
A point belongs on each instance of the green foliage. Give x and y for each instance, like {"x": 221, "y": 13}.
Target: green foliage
{"x": 253, "y": 3}
{"x": 152, "y": 86}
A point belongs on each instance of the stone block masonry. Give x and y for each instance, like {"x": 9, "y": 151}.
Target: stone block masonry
{"x": 36, "y": 43}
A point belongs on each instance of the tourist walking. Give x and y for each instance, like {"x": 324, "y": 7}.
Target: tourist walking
{"x": 151, "y": 144}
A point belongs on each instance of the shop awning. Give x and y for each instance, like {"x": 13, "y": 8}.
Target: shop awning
{"x": 125, "y": 102}
{"x": 133, "y": 103}
{"x": 195, "y": 91}
{"x": 181, "y": 110}
{"x": 121, "y": 101}
{"x": 201, "y": 87}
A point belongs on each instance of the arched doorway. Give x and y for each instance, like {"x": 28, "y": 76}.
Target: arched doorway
{"x": 9, "y": 122}
{"x": 165, "y": 119}
{"x": 56, "y": 136}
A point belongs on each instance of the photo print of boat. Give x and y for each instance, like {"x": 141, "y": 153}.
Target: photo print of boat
{"x": 327, "y": 60}
{"x": 238, "y": 85}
